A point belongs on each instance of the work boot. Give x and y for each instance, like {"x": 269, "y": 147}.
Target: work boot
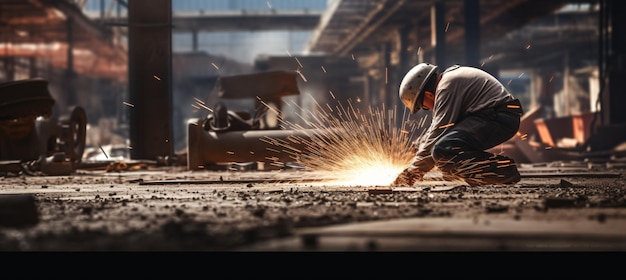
{"x": 501, "y": 171}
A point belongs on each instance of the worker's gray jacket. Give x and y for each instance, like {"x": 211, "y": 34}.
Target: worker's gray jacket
{"x": 461, "y": 91}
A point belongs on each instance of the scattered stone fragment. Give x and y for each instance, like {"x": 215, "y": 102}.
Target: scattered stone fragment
{"x": 380, "y": 191}
{"x": 566, "y": 184}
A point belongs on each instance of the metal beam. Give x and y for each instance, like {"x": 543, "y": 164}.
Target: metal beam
{"x": 150, "y": 78}
{"x": 472, "y": 32}
{"x": 617, "y": 64}
{"x": 438, "y": 29}
{"x": 233, "y": 21}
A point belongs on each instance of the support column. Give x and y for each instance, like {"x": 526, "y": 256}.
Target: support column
{"x": 617, "y": 64}
{"x": 9, "y": 67}
{"x": 405, "y": 64}
{"x": 472, "y": 33}
{"x": 438, "y": 31}
{"x": 150, "y": 78}
{"x": 388, "y": 96}
{"x": 405, "y": 59}
{"x": 610, "y": 131}
{"x": 194, "y": 40}
{"x": 70, "y": 74}
{"x": 32, "y": 67}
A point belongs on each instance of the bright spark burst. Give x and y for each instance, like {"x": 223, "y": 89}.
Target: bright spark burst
{"x": 200, "y": 104}
{"x": 353, "y": 148}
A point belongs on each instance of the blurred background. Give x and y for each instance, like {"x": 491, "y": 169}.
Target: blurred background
{"x": 143, "y": 69}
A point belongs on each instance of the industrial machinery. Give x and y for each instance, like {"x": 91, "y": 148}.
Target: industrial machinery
{"x": 30, "y": 139}
{"x": 228, "y": 139}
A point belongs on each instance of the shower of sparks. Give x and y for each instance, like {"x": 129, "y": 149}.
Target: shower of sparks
{"x": 386, "y": 75}
{"x": 446, "y": 125}
{"x": 350, "y": 147}
{"x": 299, "y": 64}
{"x": 200, "y": 104}
{"x": 102, "y": 149}
{"x": 301, "y": 75}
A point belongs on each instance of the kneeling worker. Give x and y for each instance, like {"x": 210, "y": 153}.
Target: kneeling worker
{"x": 471, "y": 113}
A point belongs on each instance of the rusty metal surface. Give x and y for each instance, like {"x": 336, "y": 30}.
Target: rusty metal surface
{"x": 44, "y": 23}
{"x": 257, "y": 145}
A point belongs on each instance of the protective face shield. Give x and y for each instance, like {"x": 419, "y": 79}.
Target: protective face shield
{"x": 412, "y": 86}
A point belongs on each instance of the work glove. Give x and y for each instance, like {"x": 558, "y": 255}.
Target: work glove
{"x": 415, "y": 172}
{"x": 408, "y": 177}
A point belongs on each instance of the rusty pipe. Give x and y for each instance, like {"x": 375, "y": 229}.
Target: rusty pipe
{"x": 278, "y": 145}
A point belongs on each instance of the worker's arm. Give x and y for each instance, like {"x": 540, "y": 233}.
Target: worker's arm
{"x": 415, "y": 171}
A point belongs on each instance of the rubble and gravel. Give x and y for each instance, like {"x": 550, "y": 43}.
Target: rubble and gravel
{"x": 118, "y": 211}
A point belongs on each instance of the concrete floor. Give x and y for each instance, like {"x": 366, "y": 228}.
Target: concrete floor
{"x": 573, "y": 206}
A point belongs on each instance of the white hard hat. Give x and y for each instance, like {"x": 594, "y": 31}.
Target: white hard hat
{"x": 412, "y": 86}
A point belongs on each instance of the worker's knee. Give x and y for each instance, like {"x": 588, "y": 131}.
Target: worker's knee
{"x": 450, "y": 146}
{"x": 442, "y": 151}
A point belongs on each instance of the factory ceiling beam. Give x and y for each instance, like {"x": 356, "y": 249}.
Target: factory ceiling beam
{"x": 230, "y": 21}
{"x": 334, "y": 29}
{"x": 72, "y": 11}
{"x": 496, "y": 16}
{"x": 324, "y": 22}
{"x": 373, "y": 22}
{"x": 233, "y": 21}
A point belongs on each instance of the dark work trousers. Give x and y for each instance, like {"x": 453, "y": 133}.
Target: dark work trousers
{"x": 461, "y": 151}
